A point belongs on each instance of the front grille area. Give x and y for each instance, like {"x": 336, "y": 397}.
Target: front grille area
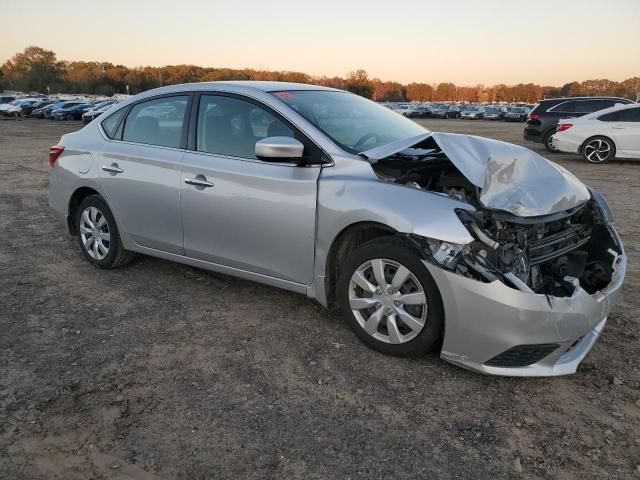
{"x": 522, "y": 355}
{"x": 558, "y": 244}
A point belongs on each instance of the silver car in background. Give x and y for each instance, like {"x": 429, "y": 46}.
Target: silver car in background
{"x": 421, "y": 239}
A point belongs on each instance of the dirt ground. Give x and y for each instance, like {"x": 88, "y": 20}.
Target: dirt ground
{"x": 159, "y": 370}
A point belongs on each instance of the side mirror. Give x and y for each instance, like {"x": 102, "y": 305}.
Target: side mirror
{"x": 279, "y": 148}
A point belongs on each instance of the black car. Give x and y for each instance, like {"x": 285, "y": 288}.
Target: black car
{"x": 542, "y": 120}
{"x": 516, "y": 114}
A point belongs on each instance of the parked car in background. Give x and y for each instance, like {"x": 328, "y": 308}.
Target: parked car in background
{"x": 603, "y": 135}
{"x": 516, "y": 114}
{"x": 439, "y": 110}
{"x": 5, "y": 107}
{"x": 41, "y": 112}
{"x": 522, "y": 262}
{"x": 62, "y": 106}
{"x": 543, "y": 119}
{"x": 26, "y": 110}
{"x": 94, "y": 113}
{"x": 72, "y": 112}
{"x": 472, "y": 112}
{"x": 493, "y": 113}
{"x": 6, "y": 99}
{"x": 409, "y": 111}
{"x": 25, "y": 107}
{"x": 422, "y": 111}
{"x": 445, "y": 111}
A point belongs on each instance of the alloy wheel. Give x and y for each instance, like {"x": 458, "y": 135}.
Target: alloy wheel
{"x": 388, "y": 301}
{"x": 94, "y": 233}
{"x": 597, "y": 150}
{"x": 549, "y": 144}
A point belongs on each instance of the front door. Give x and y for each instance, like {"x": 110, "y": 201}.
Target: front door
{"x": 240, "y": 211}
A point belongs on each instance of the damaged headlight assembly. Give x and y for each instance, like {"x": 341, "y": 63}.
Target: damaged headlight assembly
{"x": 550, "y": 255}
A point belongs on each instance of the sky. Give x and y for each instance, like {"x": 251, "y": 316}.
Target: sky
{"x": 549, "y": 42}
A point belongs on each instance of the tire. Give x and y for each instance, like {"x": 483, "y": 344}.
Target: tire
{"x": 407, "y": 339}
{"x": 598, "y": 149}
{"x": 109, "y": 252}
{"x": 547, "y": 141}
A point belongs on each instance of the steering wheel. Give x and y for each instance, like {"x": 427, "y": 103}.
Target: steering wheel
{"x": 364, "y": 138}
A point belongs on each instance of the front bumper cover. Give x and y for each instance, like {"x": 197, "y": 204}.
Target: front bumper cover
{"x": 483, "y": 320}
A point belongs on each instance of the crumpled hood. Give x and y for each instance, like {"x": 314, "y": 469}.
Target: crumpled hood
{"x": 511, "y": 178}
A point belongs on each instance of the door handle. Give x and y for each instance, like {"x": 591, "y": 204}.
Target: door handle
{"x": 617, "y": 127}
{"x": 198, "y": 182}
{"x": 113, "y": 168}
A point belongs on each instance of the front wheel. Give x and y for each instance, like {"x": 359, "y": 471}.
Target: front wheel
{"x": 390, "y": 300}
{"x": 598, "y": 150}
{"x": 98, "y": 234}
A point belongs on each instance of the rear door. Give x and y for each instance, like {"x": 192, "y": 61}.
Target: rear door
{"x": 140, "y": 170}
{"x": 243, "y": 212}
{"x": 624, "y": 126}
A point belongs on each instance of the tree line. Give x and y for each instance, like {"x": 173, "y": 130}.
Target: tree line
{"x": 38, "y": 70}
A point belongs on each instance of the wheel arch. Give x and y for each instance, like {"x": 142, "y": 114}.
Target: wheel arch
{"x": 345, "y": 242}
{"x": 75, "y": 200}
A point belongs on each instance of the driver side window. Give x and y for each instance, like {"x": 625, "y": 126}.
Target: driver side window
{"x": 230, "y": 126}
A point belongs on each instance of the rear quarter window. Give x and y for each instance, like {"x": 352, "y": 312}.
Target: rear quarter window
{"x": 630, "y": 115}
{"x": 111, "y": 123}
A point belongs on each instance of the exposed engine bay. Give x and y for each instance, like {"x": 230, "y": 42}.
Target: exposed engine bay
{"x": 546, "y": 254}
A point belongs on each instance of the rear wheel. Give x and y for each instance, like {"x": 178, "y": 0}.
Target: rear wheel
{"x": 390, "y": 300}
{"x": 547, "y": 141}
{"x": 598, "y": 149}
{"x": 98, "y": 234}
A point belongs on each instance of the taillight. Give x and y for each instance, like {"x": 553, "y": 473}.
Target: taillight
{"x": 534, "y": 116}
{"x": 563, "y": 126}
{"x": 54, "y": 153}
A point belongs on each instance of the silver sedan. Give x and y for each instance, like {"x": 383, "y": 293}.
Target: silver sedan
{"x": 422, "y": 240}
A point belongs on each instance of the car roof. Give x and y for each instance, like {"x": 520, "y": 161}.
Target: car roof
{"x": 596, "y": 97}
{"x": 238, "y": 86}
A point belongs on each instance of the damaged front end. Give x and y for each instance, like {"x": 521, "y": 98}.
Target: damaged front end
{"x": 531, "y": 293}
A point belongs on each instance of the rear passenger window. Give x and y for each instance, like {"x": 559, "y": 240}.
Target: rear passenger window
{"x": 630, "y": 115}
{"x": 590, "y": 106}
{"x": 156, "y": 122}
{"x": 110, "y": 124}
{"x": 609, "y": 117}
{"x": 230, "y": 126}
{"x": 565, "y": 107}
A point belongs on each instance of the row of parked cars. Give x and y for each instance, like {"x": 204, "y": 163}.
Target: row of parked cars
{"x": 508, "y": 113}
{"x": 44, "y": 107}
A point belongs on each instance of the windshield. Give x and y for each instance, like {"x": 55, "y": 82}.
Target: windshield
{"x": 354, "y": 123}
{"x": 518, "y": 110}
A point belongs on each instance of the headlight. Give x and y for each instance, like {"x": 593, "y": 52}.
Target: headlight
{"x": 603, "y": 206}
